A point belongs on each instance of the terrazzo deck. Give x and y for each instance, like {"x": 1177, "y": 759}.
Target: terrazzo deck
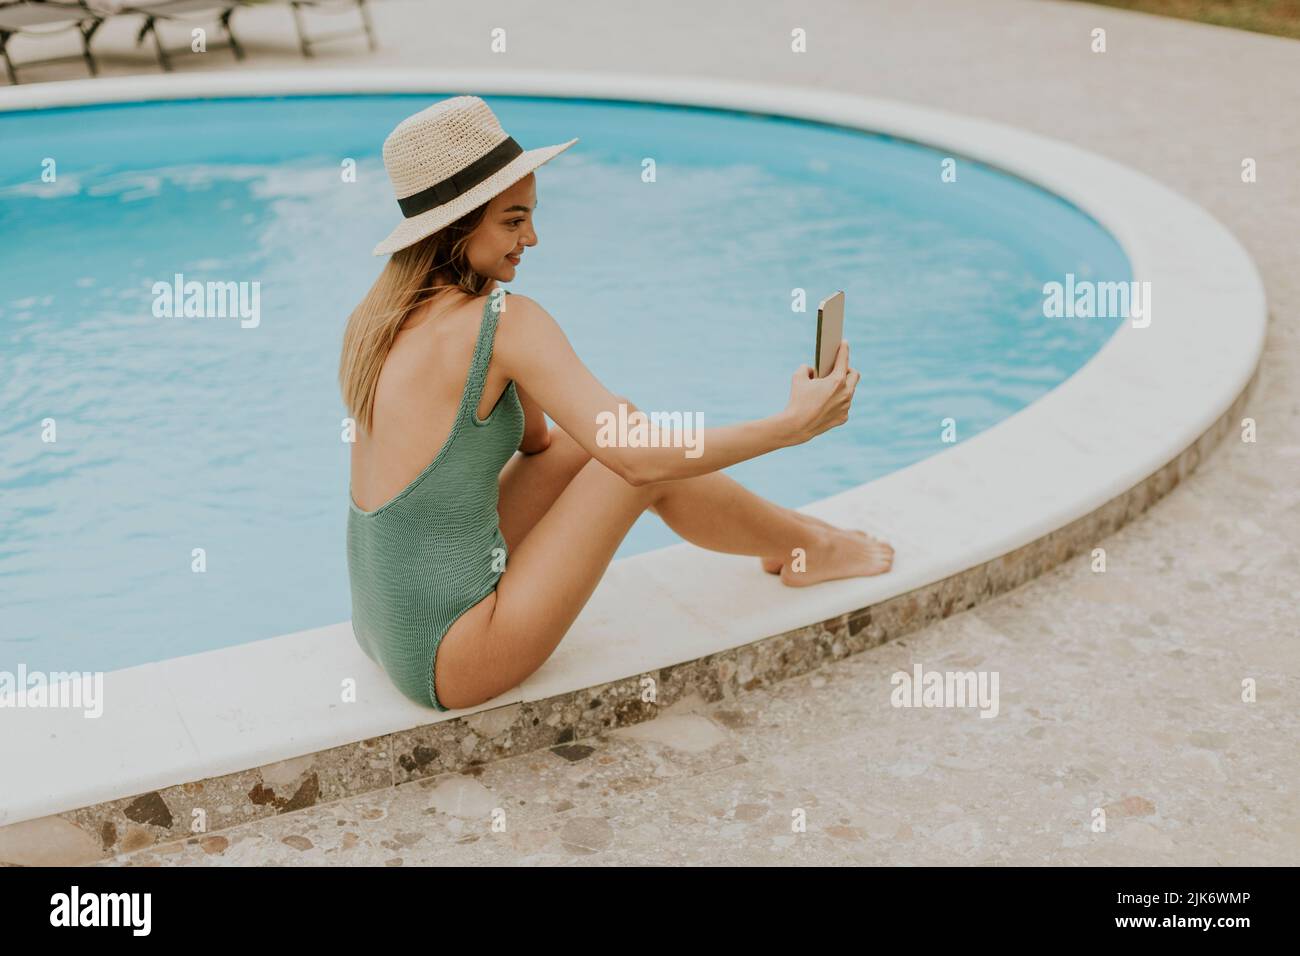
{"x": 1119, "y": 691}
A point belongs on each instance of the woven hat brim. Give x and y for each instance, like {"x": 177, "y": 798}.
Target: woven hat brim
{"x": 412, "y": 230}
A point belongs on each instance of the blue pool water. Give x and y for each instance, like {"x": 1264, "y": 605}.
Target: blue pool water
{"x": 175, "y": 434}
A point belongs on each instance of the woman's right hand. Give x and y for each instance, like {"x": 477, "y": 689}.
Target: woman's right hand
{"x": 819, "y": 404}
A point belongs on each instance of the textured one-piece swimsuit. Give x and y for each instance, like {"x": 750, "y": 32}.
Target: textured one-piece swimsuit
{"x": 419, "y": 562}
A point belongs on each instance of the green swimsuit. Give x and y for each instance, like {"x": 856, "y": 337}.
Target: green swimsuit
{"x": 419, "y": 562}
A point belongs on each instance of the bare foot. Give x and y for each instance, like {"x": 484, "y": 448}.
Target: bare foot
{"x": 840, "y": 553}
{"x": 773, "y": 565}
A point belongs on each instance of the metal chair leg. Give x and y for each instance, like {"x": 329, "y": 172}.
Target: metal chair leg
{"x": 365, "y": 21}
{"x": 302, "y": 34}
{"x": 230, "y": 34}
{"x": 9, "y": 64}
{"x": 151, "y": 26}
{"x": 86, "y": 33}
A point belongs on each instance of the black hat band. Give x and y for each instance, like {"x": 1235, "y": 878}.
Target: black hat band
{"x": 461, "y": 182}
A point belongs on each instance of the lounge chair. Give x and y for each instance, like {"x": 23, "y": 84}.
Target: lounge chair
{"x": 181, "y": 11}
{"x": 330, "y": 6}
{"x": 42, "y": 18}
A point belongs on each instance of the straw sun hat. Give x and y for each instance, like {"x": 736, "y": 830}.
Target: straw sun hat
{"x": 448, "y": 159}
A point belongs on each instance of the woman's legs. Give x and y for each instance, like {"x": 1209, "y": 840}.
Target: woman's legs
{"x": 548, "y": 578}
{"x": 552, "y": 573}
{"x": 720, "y": 514}
{"x": 529, "y": 484}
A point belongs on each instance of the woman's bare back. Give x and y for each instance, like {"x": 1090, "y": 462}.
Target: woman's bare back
{"x": 417, "y": 397}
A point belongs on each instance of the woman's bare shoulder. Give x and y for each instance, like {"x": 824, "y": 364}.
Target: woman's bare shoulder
{"x": 516, "y": 300}
{"x": 435, "y": 336}
{"x": 524, "y": 315}
{"x": 525, "y": 326}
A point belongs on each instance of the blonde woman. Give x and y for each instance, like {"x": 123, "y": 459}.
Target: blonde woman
{"x": 447, "y": 379}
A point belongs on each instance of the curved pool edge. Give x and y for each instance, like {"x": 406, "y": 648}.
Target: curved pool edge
{"x": 1088, "y": 457}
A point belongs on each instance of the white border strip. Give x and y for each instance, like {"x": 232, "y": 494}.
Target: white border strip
{"x": 1145, "y": 396}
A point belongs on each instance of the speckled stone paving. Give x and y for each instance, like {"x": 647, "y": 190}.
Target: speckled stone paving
{"x": 1119, "y": 692}
{"x": 1113, "y": 693}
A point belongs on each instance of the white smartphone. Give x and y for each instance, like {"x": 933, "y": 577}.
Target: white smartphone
{"x": 830, "y": 329}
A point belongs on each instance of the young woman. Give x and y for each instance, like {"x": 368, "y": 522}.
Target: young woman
{"x": 447, "y": 378}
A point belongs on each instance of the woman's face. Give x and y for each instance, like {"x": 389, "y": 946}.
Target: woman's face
{"x": 507, "y": 228}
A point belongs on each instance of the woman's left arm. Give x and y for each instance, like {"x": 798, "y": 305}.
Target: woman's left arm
{"x": 537, "y": 436}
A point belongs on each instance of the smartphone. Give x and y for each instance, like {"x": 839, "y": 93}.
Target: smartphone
{"x": 830, "y": 329}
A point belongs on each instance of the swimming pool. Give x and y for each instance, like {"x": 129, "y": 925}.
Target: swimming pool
{"x": 175, "y": 434}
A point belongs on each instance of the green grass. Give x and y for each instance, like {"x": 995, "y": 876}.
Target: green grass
{"x": 1278, "y": 17}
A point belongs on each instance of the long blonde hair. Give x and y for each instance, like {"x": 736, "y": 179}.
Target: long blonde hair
{"x": 409, "y": 279}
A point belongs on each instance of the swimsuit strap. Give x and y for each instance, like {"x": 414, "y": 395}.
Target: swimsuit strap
{"x": 478, "y": 365}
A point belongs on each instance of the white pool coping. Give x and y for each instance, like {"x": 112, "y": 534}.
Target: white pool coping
{"x": 1144, "y": 397}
